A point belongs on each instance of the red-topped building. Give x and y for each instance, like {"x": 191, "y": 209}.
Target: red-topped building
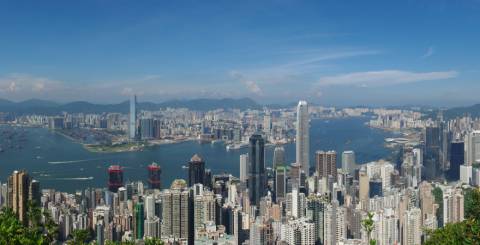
{"x": 115, "y": 177}
{"x": 154, "y": 172}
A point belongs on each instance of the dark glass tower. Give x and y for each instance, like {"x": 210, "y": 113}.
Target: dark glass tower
{"x": 196, "y": 170}
{"x": 139, "y": 219}
{"x": 432, "y": 153}
{"x": 256, "y": 172}
{"x": 115, "y": 178}
{"x": 154, "y": 173}
{"x": 457, "y": 152}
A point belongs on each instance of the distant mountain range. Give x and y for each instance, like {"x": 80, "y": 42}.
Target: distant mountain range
{"x": 51, "y": 108}
{"x": 473, "y": 111}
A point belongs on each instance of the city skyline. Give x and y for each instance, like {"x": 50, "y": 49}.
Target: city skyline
{"x": 319, "y": 51}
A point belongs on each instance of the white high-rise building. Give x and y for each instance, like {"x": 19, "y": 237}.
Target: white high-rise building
{"x": 132, "y": 127}
{"x": 303, "y": 138}
{"x": 299, "y": 231}
{"x": 465, "y": 174}
{"x": 348, "y": 161}
{"x": 150, "y": 206}
{"x": 244, "y": 168}
{"x": 472, "y": 148}
{"x": 152, "y": 227}
{"x": 412, "y": 230}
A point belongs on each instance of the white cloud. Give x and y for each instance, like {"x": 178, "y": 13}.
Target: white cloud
{"x": 253, "y": 87}
{"x": 430, "y": 51}
{"x": 385, "y": 77}
{"x": 27, "y": 84}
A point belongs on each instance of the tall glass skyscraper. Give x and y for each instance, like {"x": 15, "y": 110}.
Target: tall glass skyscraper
{"x": 278, "y": 157}
{"x": 256, "y": 174}
{"x": 133, "y": 117}
{"x": 303, "y": 138}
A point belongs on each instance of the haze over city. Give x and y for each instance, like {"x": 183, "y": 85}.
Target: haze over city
{"x": 371, "y": 52}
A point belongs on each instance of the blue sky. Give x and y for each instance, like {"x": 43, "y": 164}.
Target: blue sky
{"x": 330, "y": 52}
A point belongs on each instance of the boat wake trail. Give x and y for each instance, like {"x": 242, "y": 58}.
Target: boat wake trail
{"x": 77, "y": 178}
{"x": 74, "y": 161}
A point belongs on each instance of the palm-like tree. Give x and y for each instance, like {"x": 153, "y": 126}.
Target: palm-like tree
{"x": 367, "y": 224}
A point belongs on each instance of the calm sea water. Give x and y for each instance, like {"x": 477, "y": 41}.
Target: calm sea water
{"x": 64, "y": 165}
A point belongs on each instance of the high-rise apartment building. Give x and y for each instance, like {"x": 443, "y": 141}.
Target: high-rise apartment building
{"x": 326, "y": 164}
{"x": 175, "y": 210}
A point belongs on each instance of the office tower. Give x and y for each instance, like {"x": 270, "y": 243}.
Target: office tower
{"x": 34, "y": 192}
{"x": 244, "y": 162}
{"x": 115, "y": 178}
{"x": 302, "y": 138}
{"x": 146, "y": 128}
{"x": 431, "y": 158}
{"x": 375, "y": 187}
{"x": 204, "y": 207}
{"x": 256, "y": 176}
{"x": 139, "y": 220}
{"x": 348, "y": 161}
{"x": 326, "y": 164}
{"x": 278, "y": 157}
{"x": 412, "y": 230}
{"x": 267, "y": 123}
{"x": 364, "y": 184}
{"x": 294, "y": 175}
{"x": 456, "y": 160}
{"x": 261, "y": 232}
{"x": 196, "y": 170}
{"x": 132, "y": 124}
{"x": 472, "y": 148}
{"x": 175, "y": 210}
{"x": 154, "y": 176}
{"x": 280, "y": 183}
{"x": 18, "y": 188}
{"x": 315, "y": 212}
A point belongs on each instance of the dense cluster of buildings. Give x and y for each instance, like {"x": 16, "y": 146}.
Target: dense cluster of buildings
{"x": 310, "y": 201}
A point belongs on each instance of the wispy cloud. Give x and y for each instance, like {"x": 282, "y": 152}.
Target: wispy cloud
{"x": 385, "y": 77}
{"x": 430, "y": 51}
{"x": 17, "y": 83}
{"x": 250, "y": 85}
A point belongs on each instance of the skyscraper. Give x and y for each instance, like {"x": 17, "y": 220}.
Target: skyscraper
{"x": 154, "y": 176}
{"x": 348, "y": 161}
{"x": 303, "y": 138}
{"x": 132, "y": 128}
{"x": 18, "y": 186}
{"x": 472, "y": 148}
{"x": 278, "y": 156}
{"x": 456, "y": 160}
{"x": 280, "y": 183}
{"x": 115, "y": 178}
{"x": 175, "y": 210}
{"x": 244, "y": 167}
{"x": 196, "y": 170}
{"x": 139, "y": 220}
{"x": 256, "y": 174}
{"x": 432, "y": 152}
{"x": 326, "y": 164}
